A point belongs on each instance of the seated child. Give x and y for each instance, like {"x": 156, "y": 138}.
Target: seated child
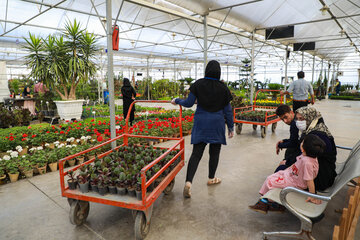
{"x": 300, "y": 175}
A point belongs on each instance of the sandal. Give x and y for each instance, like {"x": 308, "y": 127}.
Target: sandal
{"x": 260, "y": 207}
{"x": 187, "y": 191}
{"x": 214, "y": 181}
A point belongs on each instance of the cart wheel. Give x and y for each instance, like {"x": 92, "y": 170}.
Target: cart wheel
{"x": 238, "y": 128}
{"x": 254, "y": 127}
{"x": 273, "y": 127}
{"x": 263, "y": 131}
{"x": 133, "y": 214}
{"x": 79, "y": 210}
{"x": 141, "y": 226}
{"x": 169, "y": 187}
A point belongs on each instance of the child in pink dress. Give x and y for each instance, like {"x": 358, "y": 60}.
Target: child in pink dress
{"x": 300, "y": 175}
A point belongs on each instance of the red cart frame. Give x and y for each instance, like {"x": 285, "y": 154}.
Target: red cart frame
{"x": 79, "y": 202}
{"x": 255, "y": 107}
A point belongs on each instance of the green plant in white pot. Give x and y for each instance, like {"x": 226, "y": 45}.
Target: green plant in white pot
{"x": 62, "y": 62}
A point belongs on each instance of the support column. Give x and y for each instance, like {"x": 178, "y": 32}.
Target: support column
{"x": 205, "y": 42}
{"x": 252, "y": 68}
{"x": 110, "y": 71}
{"x": 302, "y": 61}
{"x": 174, "y": 70}
{"x": 147, "y": 78}
{"x": 313, "y": 70}
{"x": 328, "y": 80}
{"x": 322, "y": 69}
{"x": 286, "y": 68}
{"x": 195, "y": 71}
{"x": 227, "y": 74}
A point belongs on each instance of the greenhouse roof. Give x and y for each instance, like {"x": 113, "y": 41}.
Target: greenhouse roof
{"x": 164, "y": 30}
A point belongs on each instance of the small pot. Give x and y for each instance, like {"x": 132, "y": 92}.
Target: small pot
{"x": 71, "y": 162}
{"x": 13, "y": 177}
{"x": 84, "y": 187}
{"x": 53, "y": 166}
{"x": 94, "y": 188}
{"x": 23, "y": 152}
{"x": 72, "y": 184}
{"x": 80, "y": 160}
{"x": 102, "y": 190}
{"x": 36, "y": 171}
{"x": 121, "y": 190}
{"x": 2, "y": 179}
{"x": 29, "y": 173}
{"x": 42, "y": 170}
{"x": 138, "y": 195}
{"x": 131, "y": 192}
{"x": 112, "y": 190}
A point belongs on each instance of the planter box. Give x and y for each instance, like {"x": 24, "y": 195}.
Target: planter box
{"x": 69, "y": 109}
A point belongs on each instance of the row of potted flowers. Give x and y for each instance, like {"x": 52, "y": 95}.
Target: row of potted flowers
{"x": 36, "y": 137}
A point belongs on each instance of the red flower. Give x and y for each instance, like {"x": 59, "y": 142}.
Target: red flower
{"x": 11, "y": 138}
{"x": 24, "y": 139}
{"x": 56, "y": 131}
{"x": 161, "y": 129}
{"x": 80, "y": 124}
{"x": 47, "y": 131}
{"x": 92, "y": 120}
{"x": 75, "y": 121}
{"x": 29, "y": 127}
{"x": 100, "y": 138}
{"x": 34, "y": 135}
{"x": 88, "y": 130}
{"x": 61, "y": 132}
{"x": 24, "y": 135}
{"x": 67, "y": 121}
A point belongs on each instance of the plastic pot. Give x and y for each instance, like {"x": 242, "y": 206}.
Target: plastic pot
{"x": 84, "y": 187}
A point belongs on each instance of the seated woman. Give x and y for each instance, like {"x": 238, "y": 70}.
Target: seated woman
{"x": 310, "y": 121}
{"x": 300, "y": 175}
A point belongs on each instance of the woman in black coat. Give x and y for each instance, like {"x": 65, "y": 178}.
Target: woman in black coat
{"x": 310, "y": 121}
{"x": 129, "y": 95}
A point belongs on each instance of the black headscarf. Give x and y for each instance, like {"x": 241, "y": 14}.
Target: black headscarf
{"x": 25, "y": 92}
{"x": 211, "y": 94}
{"x": 127, "y": 90}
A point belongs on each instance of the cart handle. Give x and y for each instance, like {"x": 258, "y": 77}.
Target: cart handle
{"x": 150, "y": 101}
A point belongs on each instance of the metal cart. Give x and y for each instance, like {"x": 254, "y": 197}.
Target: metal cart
{"x": 142, "y": 209}
{"x": 269, "y": 118}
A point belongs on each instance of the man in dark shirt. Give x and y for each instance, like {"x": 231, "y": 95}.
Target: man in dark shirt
{"x": 292, "y": 144}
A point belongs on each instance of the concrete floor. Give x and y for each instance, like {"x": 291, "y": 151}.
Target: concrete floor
{"x": 34, "y": 209}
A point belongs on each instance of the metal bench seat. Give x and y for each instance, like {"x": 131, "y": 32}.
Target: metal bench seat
{"x": 294, "y": 199}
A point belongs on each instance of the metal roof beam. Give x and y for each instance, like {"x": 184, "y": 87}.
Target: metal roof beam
{"x": 235, "y": 5}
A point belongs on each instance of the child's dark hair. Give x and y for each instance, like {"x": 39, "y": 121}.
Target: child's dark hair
{"x": 313, "y": 145}
{"x": 282, "y": 109}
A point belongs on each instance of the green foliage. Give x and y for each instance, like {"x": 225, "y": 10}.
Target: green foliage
{"x": 275, "y": 86}
{"x": 62, "y": 61}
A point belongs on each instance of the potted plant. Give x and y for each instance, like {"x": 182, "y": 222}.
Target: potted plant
{"x": 62, "y": 62}
{"x": 12, "y": 170}
{"x": 83, "y": 180}
{"x": 138, "y": 189}
{"x": 112, "y": 185}
{"x": 41, "y": 163}
{"x": 121, "y": 190}
{"x": 2, "y": 175}
{"x": 72, "y": 182}
{"x": 27, "y": 168}
{"x": 94, "y": 181}
{"x": 53, "y": 161}
{"x": 103, "y": 189}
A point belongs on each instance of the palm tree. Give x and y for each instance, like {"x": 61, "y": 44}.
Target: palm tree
{"x": 63, "y": 61}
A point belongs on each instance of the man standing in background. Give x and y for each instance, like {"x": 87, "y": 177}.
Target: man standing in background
{"x": 300, "y": 89}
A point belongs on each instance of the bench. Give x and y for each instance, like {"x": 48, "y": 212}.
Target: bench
{"x": 349, "y": 218}
{"x": 294, "y": 199}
